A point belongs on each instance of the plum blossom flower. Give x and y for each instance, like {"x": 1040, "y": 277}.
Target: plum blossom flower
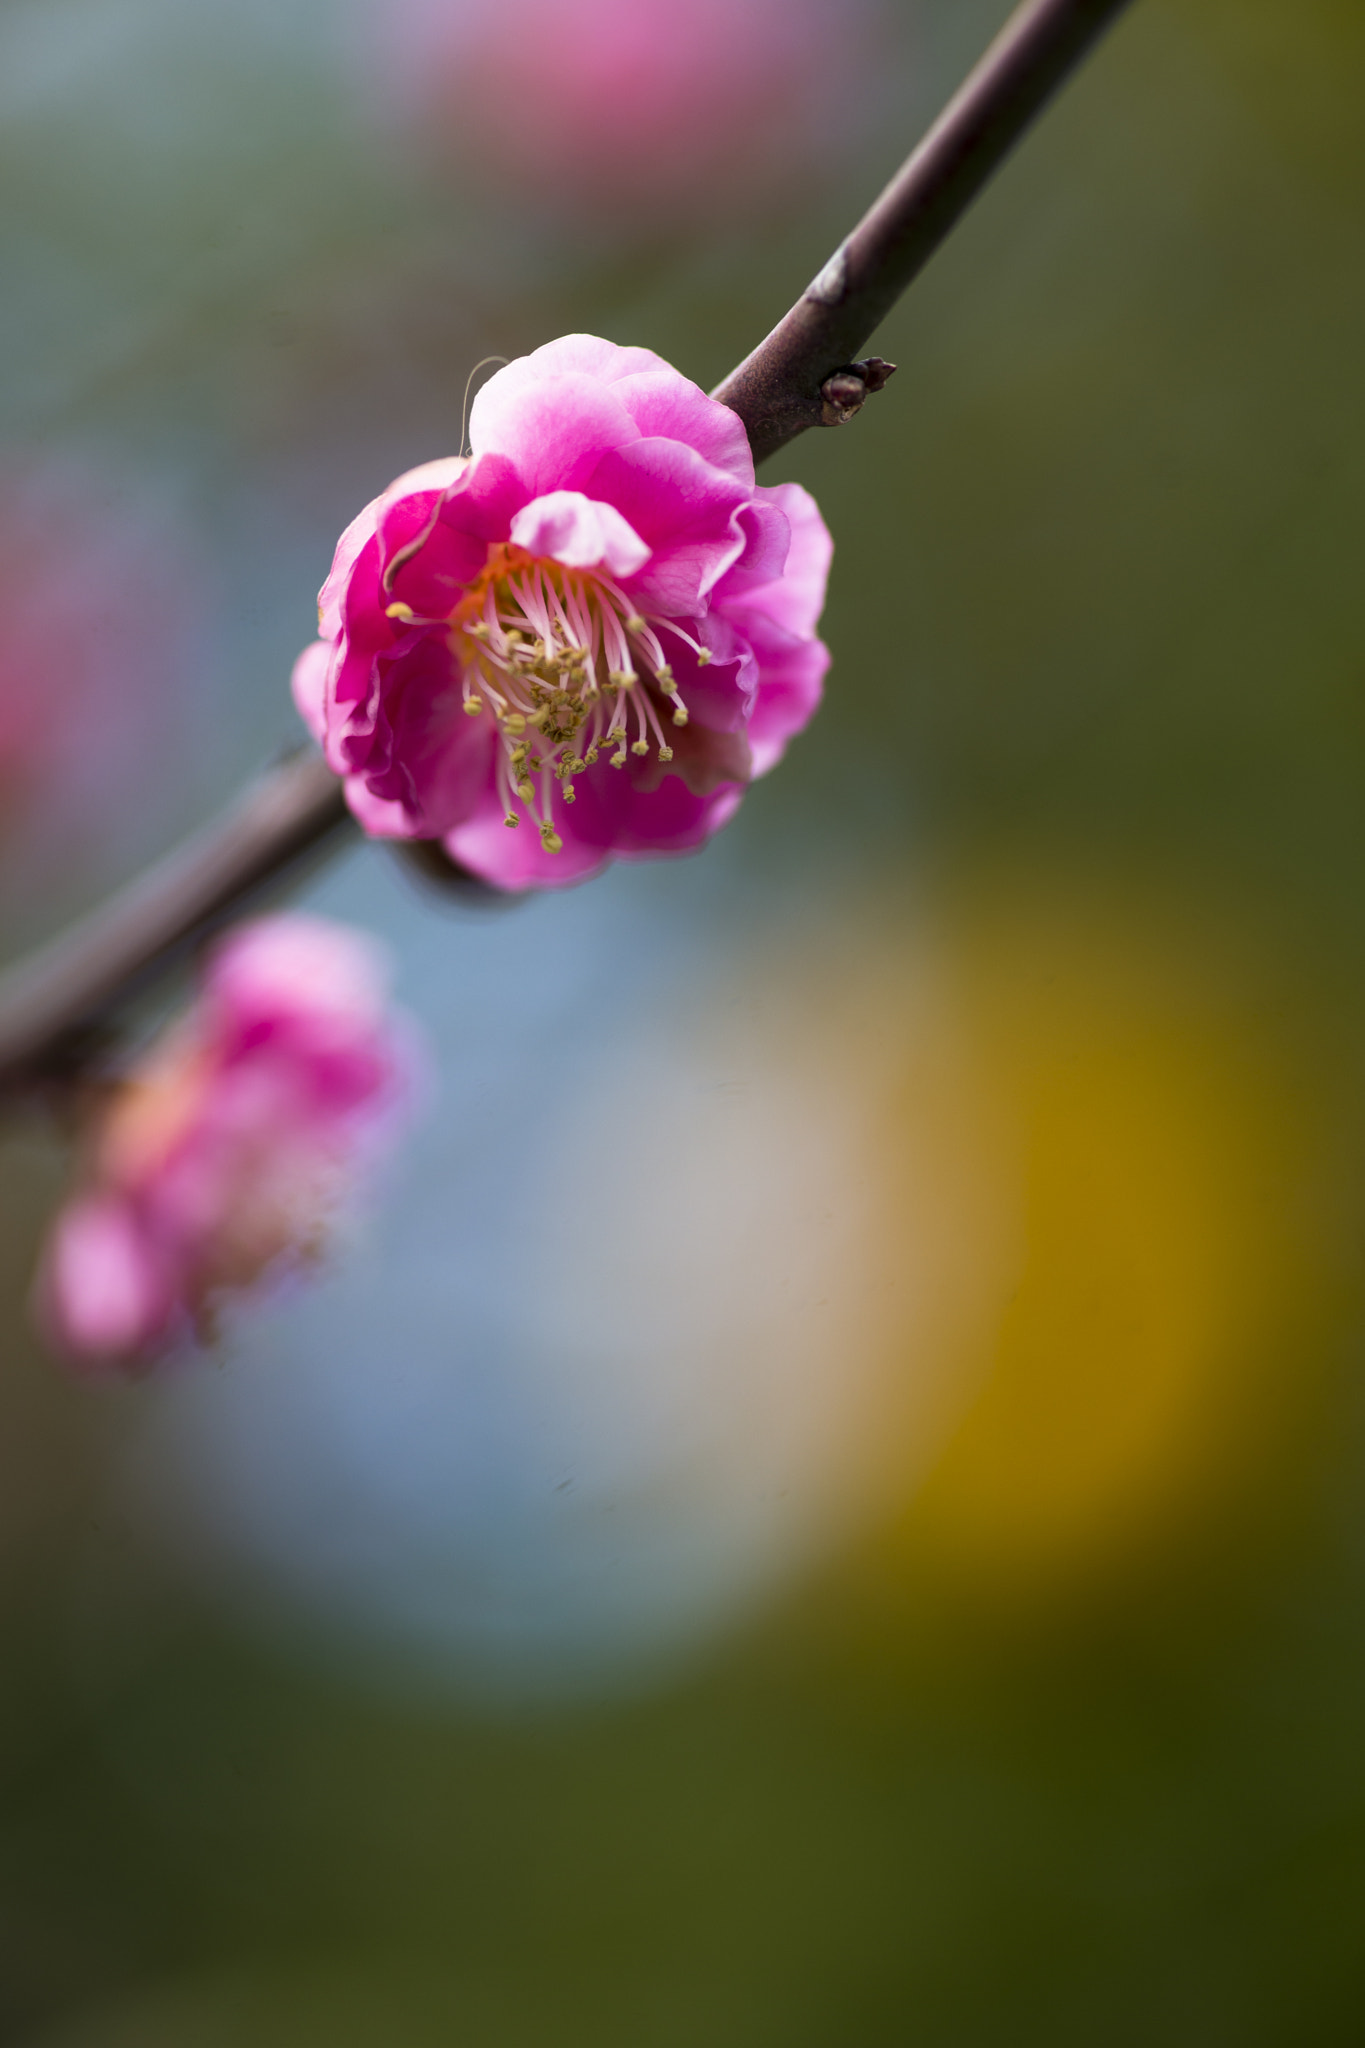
{"x": 658, "y": 106}
{"x": 219, "y": 1161}
{"x": 581, "y": 642}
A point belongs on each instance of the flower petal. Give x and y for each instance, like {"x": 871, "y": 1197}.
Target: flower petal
{"x": 580, "y": 532}
{"x": 795, "y": 598}
{"x": 106, "y": 1293}
{"x": 792, "y": 675}
{"x": 552, "y": 429}
{"x": 661, "y": 402}
{"x": 309, "y": 686}
{"x": 685, "y": 509}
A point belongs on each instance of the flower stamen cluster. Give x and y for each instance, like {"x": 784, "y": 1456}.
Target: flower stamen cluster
{"x": 560, "y": 659}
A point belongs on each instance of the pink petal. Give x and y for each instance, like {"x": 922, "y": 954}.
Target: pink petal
{"x": 796, "y": 599}
{"x": 106, "y": 1294}
{"x": 685, "y": 510}
{"x": 587, "y": 354}
{"x": 291, "y": 963}
{"x": 349, "y": 549}
{"x": 381, "y": 818}
{"x": 792, "y": 675}
{"x": 662, "y": 402}
{"x": 309, "y": 685}
{"x": 515, "y": 859}
{"x": 486, "y": 499}
{"x": 552, "y": 429}
{"x": 430, "y": 480}
{"x": 579, "y": 532}
{"x": 613, "y": 817}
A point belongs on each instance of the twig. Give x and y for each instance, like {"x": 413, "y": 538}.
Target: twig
{"x": 804, "y": 374}
{"x": 55, "y": 1005}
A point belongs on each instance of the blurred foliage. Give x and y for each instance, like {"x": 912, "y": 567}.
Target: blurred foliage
{"x": 1068, "y": 1749}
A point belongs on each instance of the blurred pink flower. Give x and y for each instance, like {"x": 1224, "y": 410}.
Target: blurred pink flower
{"x": 220, "y": 1160}
{"x": 97, "y": 608}
{"x": 634, "y": 108}
{"x": 597, "y": 626}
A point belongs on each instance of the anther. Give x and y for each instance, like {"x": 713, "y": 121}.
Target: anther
{"x": 514, "y": 722}
{"x": 404, "y": 613}
{"x": 703, "y": 657}
{"x": 635, "y": 624}
{"x": 665, "y": 753}
{"x": 511, "y": 821}
{"x": 680, "y": 716}
{"x": 550, "y": 839}
{"x": 473, "y": 706}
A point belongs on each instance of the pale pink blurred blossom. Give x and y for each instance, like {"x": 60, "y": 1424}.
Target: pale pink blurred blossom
{"x": 98, "y": 603}
{"x": 221, "y": 1160}
{"x": 633, "y": 108}
{"x": 582, "y": 642}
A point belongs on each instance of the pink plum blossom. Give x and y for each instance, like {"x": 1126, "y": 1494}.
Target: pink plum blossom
{"x": 581, "y": 642}
{"x": 219, "y": 1161}
{"x": 651, "y": 108}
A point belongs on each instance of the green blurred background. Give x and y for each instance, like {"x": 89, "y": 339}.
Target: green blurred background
{"x": 1057, "y": 1736}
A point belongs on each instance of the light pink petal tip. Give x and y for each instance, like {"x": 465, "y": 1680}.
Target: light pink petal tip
{"x": 106, "y": 1296}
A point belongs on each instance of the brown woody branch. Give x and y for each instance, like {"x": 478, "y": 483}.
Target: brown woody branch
{"x": 57, "y": 1006}
{"x": 54, "y": 1005}
{"x": 805, "y": 373}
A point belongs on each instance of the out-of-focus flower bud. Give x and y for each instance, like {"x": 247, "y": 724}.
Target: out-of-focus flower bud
{"x": 579, "y": 644}
{"x": 629, "y": 110}
{"x": 219, "y": 1162}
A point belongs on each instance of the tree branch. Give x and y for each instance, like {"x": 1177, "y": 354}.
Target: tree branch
{"x": 780, "y": 389}
{"x": 55, "y": 1006}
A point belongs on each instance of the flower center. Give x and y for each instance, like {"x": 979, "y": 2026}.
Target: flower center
{"x": 567, "y": 669}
